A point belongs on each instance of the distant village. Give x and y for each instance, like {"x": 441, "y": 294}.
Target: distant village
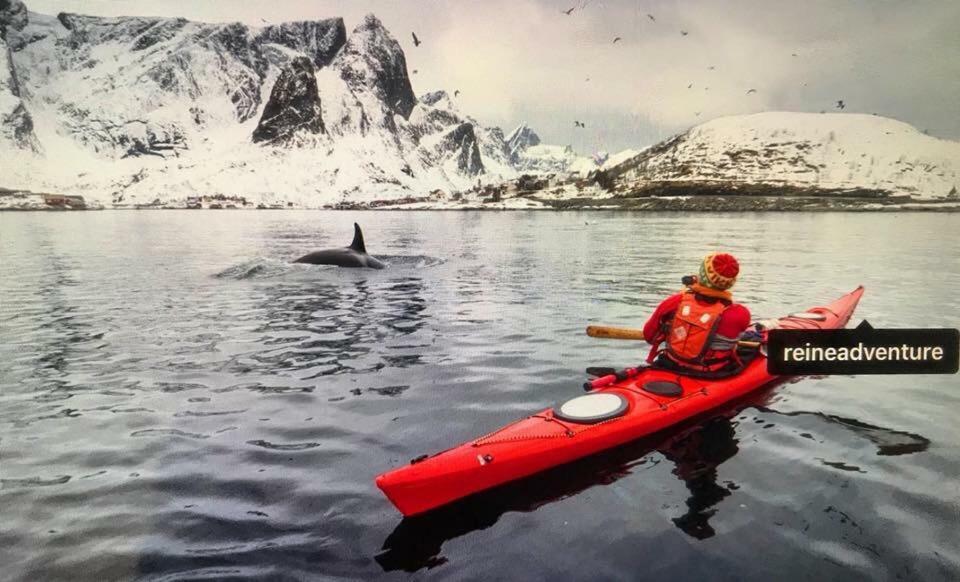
{"x": 26, "y": 200}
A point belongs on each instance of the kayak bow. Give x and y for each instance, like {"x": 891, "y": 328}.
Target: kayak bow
{"x": 638, "y": 404}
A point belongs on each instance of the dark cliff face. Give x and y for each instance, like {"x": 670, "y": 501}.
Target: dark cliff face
{"x": 373, "y": 60}
{"x": 16, "y": 125}
{"x": 293, "y": 108}
{"x": 462, "y": 141}
{"x": 13, "y": 14}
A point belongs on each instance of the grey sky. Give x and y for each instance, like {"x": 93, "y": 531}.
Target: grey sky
{"x": 516, "y": 60}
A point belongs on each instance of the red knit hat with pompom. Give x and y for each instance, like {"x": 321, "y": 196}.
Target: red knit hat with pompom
{"x": 719, "y": 271}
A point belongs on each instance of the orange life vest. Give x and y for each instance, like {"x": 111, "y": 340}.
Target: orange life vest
{"x": 692, "y": 329}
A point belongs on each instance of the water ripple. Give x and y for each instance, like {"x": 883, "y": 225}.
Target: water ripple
{"x": 283, "y": 447}
{"x": 227, "y": 410}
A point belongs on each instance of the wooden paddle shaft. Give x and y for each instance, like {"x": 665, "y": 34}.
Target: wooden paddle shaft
{"x": 625, "y": 333}
{"x": 607, "y": 332}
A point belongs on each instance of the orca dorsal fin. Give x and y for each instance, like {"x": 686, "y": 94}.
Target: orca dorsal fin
{"x": 357, "y": 243}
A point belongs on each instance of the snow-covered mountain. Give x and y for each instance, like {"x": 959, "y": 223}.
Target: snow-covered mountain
{"x": 827, "y": 153}
{"x": 142, "y": 110}
{"x": 528, "y": 155}
{"x": 132, "y": 110}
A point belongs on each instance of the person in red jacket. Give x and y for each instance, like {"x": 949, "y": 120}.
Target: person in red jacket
{"x": 699, "y": 327}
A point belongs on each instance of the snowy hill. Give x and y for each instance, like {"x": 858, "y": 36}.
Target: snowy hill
{"x": 137, "y": 110}
{"x": 831, "y": 152}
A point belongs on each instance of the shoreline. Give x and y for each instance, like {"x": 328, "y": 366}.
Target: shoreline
{"x": 675, "y": 201}
{"x": 568, "y": 206}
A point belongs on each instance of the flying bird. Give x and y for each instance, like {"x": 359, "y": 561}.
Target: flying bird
{"x": 414, "y": 71}
{"x": 697, "y": 114}
{"x": 690, "y": 85}
{"x": 684, "y": 33}
{"x": 650, "y": 16}
{"x": 615, "y": 40}
{"x": 456, "y": 92}
{"x": 567, "y": 12}
{"x": 711, "y": 67}
{"x": 841, "y": 104}
{"x": 749, "y": 91}
{"x": 416, "y": 41}
{"x": 793, "y": 54}
{"x": 578, "y": 124}
{"x": 263, "y": 20}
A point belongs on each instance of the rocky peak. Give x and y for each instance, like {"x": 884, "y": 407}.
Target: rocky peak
{"x": 319, "y": 39}
{"x": 293, "y": 110}
{"x": 372, "y": 60}
{"x": 520, "y": 139}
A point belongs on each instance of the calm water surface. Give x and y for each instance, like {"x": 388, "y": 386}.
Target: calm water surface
{"x": 177, "y": 401}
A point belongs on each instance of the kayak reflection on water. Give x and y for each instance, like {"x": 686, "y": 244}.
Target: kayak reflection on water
{"x": 697, "y": 454}
{"x": 697, "y": 451}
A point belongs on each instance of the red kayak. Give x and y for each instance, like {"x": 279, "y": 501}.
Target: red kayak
{"x": 624, "y": 409}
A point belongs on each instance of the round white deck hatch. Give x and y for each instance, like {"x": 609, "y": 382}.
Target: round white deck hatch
{"x": 591, "y": 408}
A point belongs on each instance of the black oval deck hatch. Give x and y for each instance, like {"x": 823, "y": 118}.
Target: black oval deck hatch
{"x": 663, "y": 388}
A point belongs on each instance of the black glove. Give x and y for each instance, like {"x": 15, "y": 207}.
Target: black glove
{"x": 751, "y": 336}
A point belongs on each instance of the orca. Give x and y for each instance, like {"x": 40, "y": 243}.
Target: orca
{"x": 354, "y": 255}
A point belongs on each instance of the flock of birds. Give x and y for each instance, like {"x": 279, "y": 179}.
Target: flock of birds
{"x": 577, "y": 123}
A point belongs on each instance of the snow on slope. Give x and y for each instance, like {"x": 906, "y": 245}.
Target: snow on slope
{"x": 529, "y": 155}
{"x": 832, "y": 151}
{"x": 137, "y": 110}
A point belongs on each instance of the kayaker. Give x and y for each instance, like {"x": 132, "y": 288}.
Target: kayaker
{"x": 699, "y": 326}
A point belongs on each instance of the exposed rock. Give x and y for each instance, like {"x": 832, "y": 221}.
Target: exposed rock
{"x": 372, "y": 60}
{"x": 13, "y": 15}
{"x": 318, "y": 39}
{"x": 16, "y": 124}
{"x": 434, "y": 97}
{"x": 293, "y": 108}
{"x": 462, "y": 142}
{"x": 520, "y": 139}
{"x": 159, "y": 31}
